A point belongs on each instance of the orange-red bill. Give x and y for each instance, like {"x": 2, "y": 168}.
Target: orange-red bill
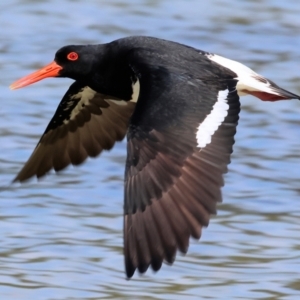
{"x": 51, "y": 70}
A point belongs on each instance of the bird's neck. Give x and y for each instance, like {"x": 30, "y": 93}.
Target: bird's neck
{"x": 114, "y": 78}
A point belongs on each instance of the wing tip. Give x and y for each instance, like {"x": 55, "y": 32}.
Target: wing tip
{"x": 19, "y": 178}
{"x": 155, "y": 265}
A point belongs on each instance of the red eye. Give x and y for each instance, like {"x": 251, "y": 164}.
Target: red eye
{"x": 72, "y": 56}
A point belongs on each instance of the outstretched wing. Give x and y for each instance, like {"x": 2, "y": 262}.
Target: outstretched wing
{"x": 174, "y": 169}
{"x": 84, "y": 124}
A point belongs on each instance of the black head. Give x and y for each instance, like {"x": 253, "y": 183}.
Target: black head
{"x": 78, "y": 61}
{"x": 104, "y": 68}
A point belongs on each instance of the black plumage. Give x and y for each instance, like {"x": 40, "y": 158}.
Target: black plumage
{"x": 179, "y": 107}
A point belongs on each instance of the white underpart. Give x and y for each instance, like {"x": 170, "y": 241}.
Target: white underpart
{"x": 213, "y": 120}
{"x": 135, "y": 91}
{"x": 134, "y": 96}
{"x": 246, "y": 76}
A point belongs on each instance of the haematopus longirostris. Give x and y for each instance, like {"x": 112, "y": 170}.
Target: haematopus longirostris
{"x": 179, "y": 107}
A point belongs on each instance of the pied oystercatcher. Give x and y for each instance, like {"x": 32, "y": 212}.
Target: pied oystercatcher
{"x": 179, "y": 107}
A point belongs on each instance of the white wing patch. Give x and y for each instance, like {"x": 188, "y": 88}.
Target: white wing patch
{"x": 248, "y": 80}
{"x": 85, "y": 95}
{"x": 213, "y": 120}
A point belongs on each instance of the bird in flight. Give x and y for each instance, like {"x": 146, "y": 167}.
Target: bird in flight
{"x": 179, "y": 109}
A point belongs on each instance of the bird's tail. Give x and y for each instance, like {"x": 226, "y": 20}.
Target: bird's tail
{"x": 270, "y": 91}
{"x": 249, "y": 82}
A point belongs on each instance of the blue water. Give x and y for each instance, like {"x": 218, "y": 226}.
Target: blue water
{"x": 61, "y": 237}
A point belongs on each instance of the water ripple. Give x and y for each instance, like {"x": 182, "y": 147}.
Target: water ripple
{"x": 62, "y": 235}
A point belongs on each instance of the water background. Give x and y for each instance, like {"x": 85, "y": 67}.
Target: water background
{"x": 61, "y": 237}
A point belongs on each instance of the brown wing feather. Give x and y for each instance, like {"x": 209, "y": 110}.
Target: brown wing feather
{"x": 96, "y": 126}
{"x": 172, "y": 186}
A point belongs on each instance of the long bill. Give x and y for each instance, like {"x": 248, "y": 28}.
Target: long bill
{"x": 50, "y": 70}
